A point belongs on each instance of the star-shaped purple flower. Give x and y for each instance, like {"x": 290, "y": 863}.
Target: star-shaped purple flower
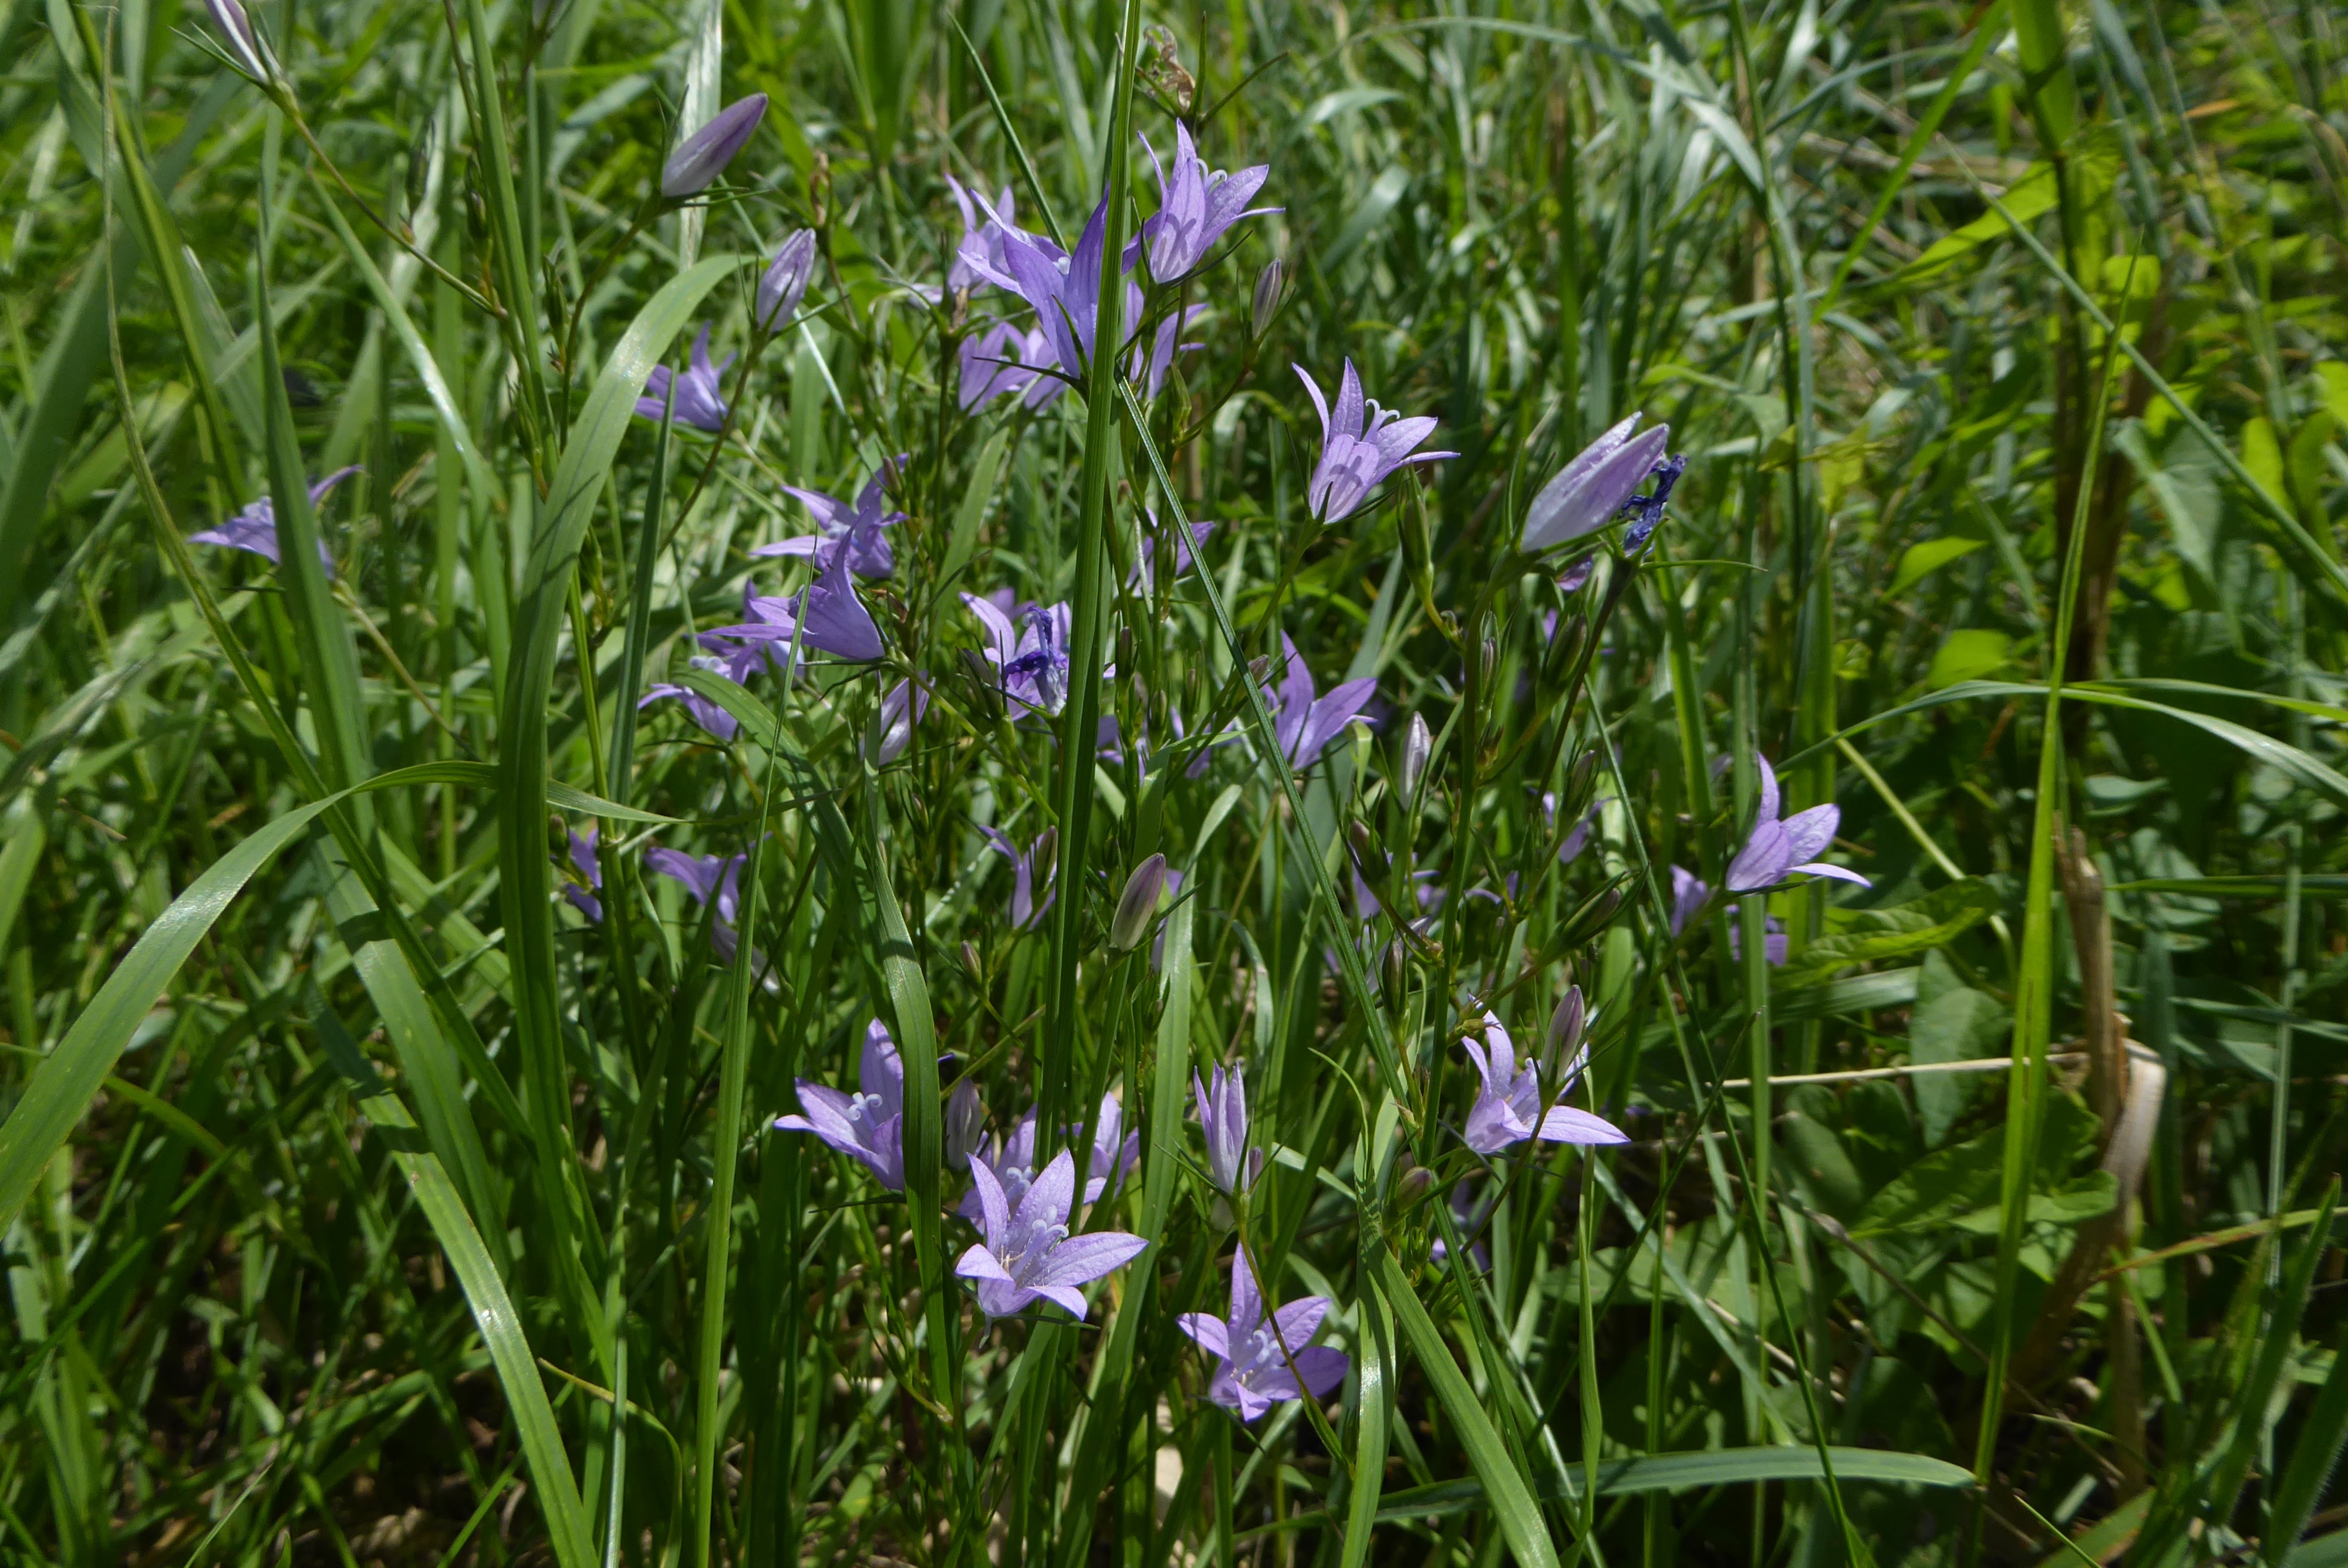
{"x": 254, "y": 529}
{"x": 982, "y": 236}
{"x": 582, "y": 892}
{"x": 835, "y": 619}
{"x": 1197, "y": 207}
{"x": 1258, "y": 1361}
{"x": 1777, "y": 850}
{"x": 700, "y": 402}
{"x": 1029, "y": 1254}
{"x": 1012, "y": 1161}
{"x": 869, "y": 1126}
{"x": 1064, "y": 288}
{"x": 1302, "y": 725}
{"x": 1361, "y": 444}
{"x": 857, "y": 527}
{"x": 1508, "y": 1108}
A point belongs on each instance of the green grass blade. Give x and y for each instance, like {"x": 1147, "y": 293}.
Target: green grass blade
{"x": 2310, "y": 1467}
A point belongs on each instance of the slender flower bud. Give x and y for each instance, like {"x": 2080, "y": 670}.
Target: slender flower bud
{"x": 1139, "y": 908}
{"x": 1584, "y": 766}
{"x": 965, "y": 1123}
{"x": 1417, "y": 746}
{"x": 1413, "y": 1185}
{"x": 243, "y": 43}
{"x": 703, "y": 155}
{"x": 970, "y": 962}
{"x": 1267, "y": 296}
{"x": 786, "y": 283}
{"x": 1394, "y": 974}
{"x": 1565, "y": 1033}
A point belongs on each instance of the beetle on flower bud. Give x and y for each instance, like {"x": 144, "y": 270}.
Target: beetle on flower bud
{"x": 703, "y": 155}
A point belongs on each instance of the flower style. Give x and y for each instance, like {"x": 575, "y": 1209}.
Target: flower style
{"x": 254, "y": 529}
{"x": 703, "y": 155}
{"x": 979, "y": 236}
{"x": 582, "y": 892}
{"x": 856, "y": 528}
{"x": 699, "y": 401}
{"x": 1507, "y": 1109}
{"x": 713, "y": 718}
{"x": 1231, "y": 1165}
{"x": 1003, "y": 360}
{"x": 829, "y": 618}
{"x": 1197, "y": 207}
{"x": 869, "y": 1126}
{"x": 1777, "y": 850}
{"x": 1032, "y": 663}
{"x": 708, "y": 877}
{"x": 1585, "y": 494}
{"x": 1259, "y": 1360}
{"x": 1029, "y": 1254}
{"x": 1025, "y": 913}
{"x": 786, "y": 280}
{"x": 1303, "y": 725}
{"x": 1013, "y": 1163}
{"x": 1361, "y": 444}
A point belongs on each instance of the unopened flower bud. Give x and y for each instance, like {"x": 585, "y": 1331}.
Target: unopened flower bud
{"x": 1258, "y": 667}
{"x": 703, "y": 155}
{"x": 243, "y": 44}
{"x": 1411, "y": 1186}
{"x": 1417, "y": 746}
{"x": 970, "y": 958}
{"x": 1565, "y": 1030}
{"x": 1578, "y": 789}
{"x": 1267, "y": 294}
{"x": 785, "y": 282}
{"x": 1489, "y": 653}
{"x": 1394, "y": 974}
{"x": 1139, "y": 908}
{"x": 966, "y": 1124}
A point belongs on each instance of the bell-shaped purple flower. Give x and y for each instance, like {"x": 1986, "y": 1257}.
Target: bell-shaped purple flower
{"x": 709, "y": 877}
{"x": 254, "y": 529}
{"x": 1197, "y": 207}
{"x": 1012, "y": 1161}
{"x": 703, "y": 155}
{"x": 244, "y": 46}
{"x": 1586, "y": 494}
{"x": 709, "y": 715}
{"x": 1361, "y": 444}
{"x": 1231, "y": 1165}
{"x": 1064, "y": 288}
{"x": 1003, "y": 360}
{"x": 1260, "y": 1361}
{"x": 1031, "y": 662}
{"x": 857, "y": 527}
{"x": 869, "y": 1126}
{"x": 1777, "y": 850}
{"x": 1025, "y": 913}
{"x": 700, "y": 401}
{"x": 901, "y": 715}
{"x": 1508, "y": 1108}
{"x": 1028, "y": 1253}
{"x": 582, "y": 891}
{"x": 1304, "y": 724}
{"x": 982, "y": 236}
{"x": 1689, "y": 895}
{"x": 785, "y": 283}
{"x": 829, "y": 618}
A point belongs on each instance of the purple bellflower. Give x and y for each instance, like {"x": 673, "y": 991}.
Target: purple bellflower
{"x": 1361, "y": 444}
{"x": 900, "y": 712}
{"x": 1003, "y": 360}
{"x": 982, "y": 236}
{"x": 1689, "y": 895}
{"x": 1585, "y": 494}
{"x": 869, "y": 1126}
{"x": 1197, "y": 207}
{"x": 703, "y": 155}
{"x": 1031, "y": 662}
{"x": 254, "y": 529}
{"x": 829, "y": 617}
{"x": 1507, "y": 1109}
{"x": 700, "y": 402}
{"x": 1025, "y": 913}
{"x": 1777, "y": 850}
{"x": 1064, "y": 288}
{"x": 1013, "y": 1161}
{"x": 1303, "y": 725}
{"x": 1260, "y": 1361}
{"x": 1028, "y": 1253}
{"x": 785, "y": 283}
{"x": 708, "y": 877}
{"x": 710, "y": 716}
{"x": 1231, "y": 1165}
{"x": 582, "y": 892}
{"x": 244, "y": 46}
{"x": 857, "y": 527}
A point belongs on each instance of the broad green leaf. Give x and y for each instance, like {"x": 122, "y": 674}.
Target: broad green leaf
{"x": 1952, "y": 1022}
{"x": 1958, "y": 1186}
{"x": 1968, "y": 653}
{"x": 1921, "y": 559}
